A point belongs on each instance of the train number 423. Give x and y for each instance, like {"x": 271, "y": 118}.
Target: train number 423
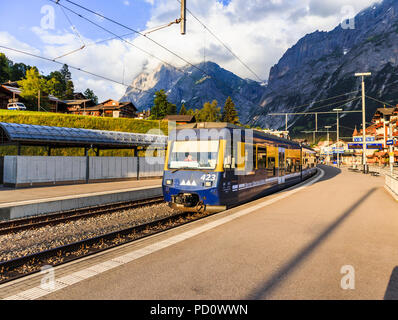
{"x": 208, "y": 177}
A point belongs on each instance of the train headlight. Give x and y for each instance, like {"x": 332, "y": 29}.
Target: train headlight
{"x": 208, "y": 184}
{"x": 169, "y": 182}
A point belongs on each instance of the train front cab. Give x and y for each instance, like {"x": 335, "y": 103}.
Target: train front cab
{"x": 190, "y": 184}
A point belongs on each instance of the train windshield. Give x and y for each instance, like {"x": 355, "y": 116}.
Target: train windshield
{"x": 193, "y": 155}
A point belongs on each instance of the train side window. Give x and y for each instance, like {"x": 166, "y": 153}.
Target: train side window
{"x": 261, "y": 157}
{"x": 289, "y": 165}
{"x": 297, "y": 166}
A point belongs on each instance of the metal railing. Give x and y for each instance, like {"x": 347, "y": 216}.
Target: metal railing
{"x": 384, "y": 170}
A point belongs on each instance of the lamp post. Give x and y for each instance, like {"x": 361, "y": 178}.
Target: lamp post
{"x": 363, "y": 75}
{"x": 338, "y": 136}
{"x": 327, "y": 132}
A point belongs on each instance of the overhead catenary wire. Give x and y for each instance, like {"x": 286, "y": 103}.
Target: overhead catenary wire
{"x": 116, "y": 36}
{"x": 133, "y": 30}
{"x": 74, "y": 29}
{"x": 72, "y": 67}
{"x": 383, "y": 102}
{"x": 223, "y": 44}
{"x": 323, "y": 100}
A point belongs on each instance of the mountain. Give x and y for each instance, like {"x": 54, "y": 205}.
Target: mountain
{"x": 323, "y": 64}
{"x": 191, "y": 86}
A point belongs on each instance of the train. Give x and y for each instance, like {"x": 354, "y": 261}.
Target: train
{"x": 211, "y": 167}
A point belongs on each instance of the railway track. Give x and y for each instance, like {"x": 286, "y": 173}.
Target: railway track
{"x": 30, "y": 264}
{"x": 17, "y": 225}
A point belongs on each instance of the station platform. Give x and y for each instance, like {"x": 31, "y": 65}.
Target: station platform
{"x": 18, "y": 203}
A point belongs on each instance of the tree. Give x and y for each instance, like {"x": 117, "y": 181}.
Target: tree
{"x": 229, "y": 113}
{"x": 89, "y": 94}
{"x": 209, "y": 112}
{"x": 18, "y": 71}
{"x": 66, "y": 75}
{"x": 70, "y": 89}
{"x": 171, "y": 108}
{"x": 5, "y": 66}
{"x": 183, "y": 111}
{"x": 32, "y": 84}
{"x": 60, "y": 87}
{"x": 162, "y": 107}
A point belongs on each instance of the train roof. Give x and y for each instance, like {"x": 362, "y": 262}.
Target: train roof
{"x": 225, "y": 125}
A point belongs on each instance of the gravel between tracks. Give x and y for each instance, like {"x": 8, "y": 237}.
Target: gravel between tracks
{"x": 31, "y": 241}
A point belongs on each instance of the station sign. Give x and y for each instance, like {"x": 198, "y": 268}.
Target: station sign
{"x": 368, "y": 146}
{"x": 368, "y": 139}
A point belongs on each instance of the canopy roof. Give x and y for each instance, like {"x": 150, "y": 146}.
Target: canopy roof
{"x": 35, "y": 135}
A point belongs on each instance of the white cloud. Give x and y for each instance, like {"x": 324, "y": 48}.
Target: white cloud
{"x": 10, "y": 41}
{"x": 258, "y": 31}
{"x": 126, "y": 2}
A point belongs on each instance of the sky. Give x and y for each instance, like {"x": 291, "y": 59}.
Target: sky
{"x": 257, "y": 31}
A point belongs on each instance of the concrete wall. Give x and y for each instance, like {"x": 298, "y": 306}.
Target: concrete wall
{"x": 22, "y": 171}
{"x": 151, "y": 167}
{"x": 391, "y": 185}
{"x": 112, "y": 167}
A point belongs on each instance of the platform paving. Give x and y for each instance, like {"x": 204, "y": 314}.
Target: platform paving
{"x": 11, "y": 195}
{"x": 297, "y": 246}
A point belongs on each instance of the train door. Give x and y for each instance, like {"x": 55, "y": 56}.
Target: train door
{"x": 281, "y": 165}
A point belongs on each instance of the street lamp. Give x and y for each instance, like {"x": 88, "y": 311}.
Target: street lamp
{"x": 338, "y": 137}
{"x": 363, "y": 75}
{"x": 327, "y": 130}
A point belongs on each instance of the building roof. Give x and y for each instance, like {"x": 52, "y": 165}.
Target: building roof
{"x": 180, "y": 117}
{"x": 79, "y": 101}
{"x": 35, "y": 135}
{"x": 18, "y": 91}
{"x": 385, "y": 111}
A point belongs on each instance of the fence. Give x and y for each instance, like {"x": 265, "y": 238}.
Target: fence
{"x": 22, "y": 171}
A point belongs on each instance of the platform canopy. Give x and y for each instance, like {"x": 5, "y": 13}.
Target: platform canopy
{"x": 60, "y": 137}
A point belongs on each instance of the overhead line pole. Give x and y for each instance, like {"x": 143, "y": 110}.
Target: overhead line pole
{"x": 183, "y": 16}
{"x": 363, "y": 75}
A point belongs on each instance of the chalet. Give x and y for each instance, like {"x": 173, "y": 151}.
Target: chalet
{"x": 79, "y": 106}
{"x": 180, "y": 119}
{"x": 145, "y": 114}
{"x": 113, "y": 108}
{"x": 10, "y": 92}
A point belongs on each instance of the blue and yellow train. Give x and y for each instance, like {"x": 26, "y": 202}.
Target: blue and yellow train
{"x": 214, "y": 166}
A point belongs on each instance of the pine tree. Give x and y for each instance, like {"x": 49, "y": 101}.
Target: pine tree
{"x": 229, "y": 113}
{"x": 89, "y": 94}
{"x": 70, "y": 89}
{"x": 162, "y": 107}
{"x": 183, "y": 111}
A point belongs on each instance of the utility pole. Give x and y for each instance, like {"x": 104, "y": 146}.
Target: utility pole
{"x": 363, "y": 75}
{"x": 183, "y": 14}
{"x": 285, "y": 122}
{"x": 327, "y": 130}
{"x": 338, "y": 137}
{"x": 38, "y": 101}
{"x": 391, "y": 149}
